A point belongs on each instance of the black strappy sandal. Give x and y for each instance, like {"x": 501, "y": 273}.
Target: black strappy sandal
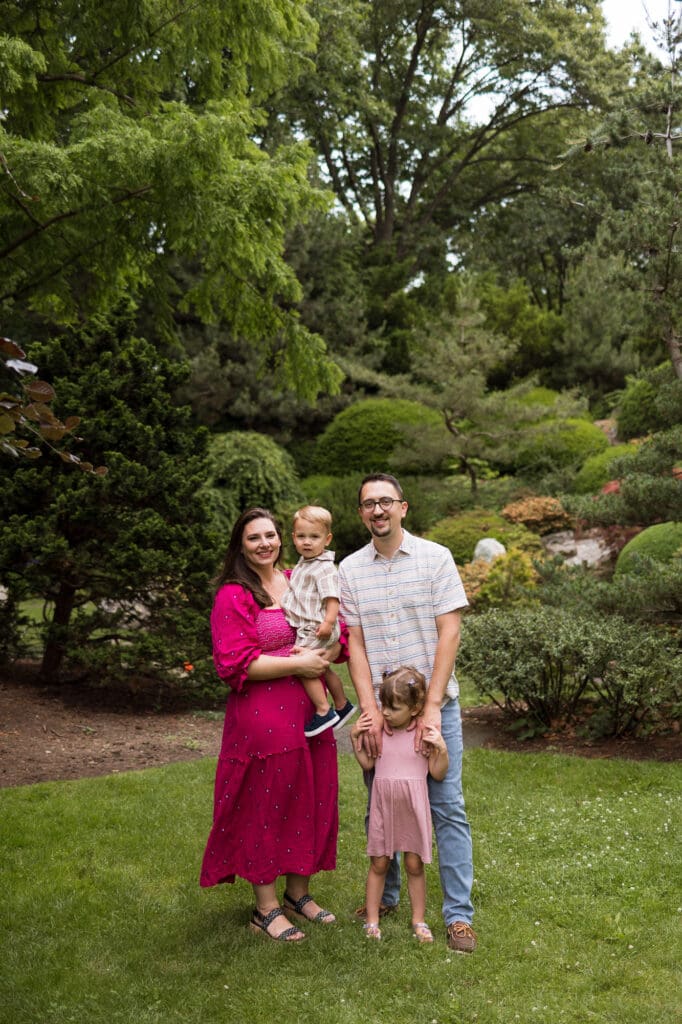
{"x": 261, "y": 922}
{"x": 296, "y": 907}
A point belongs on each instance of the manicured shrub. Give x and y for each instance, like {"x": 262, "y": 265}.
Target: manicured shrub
{"x": 540, "y": 396}
{"x": 246, "y": 468}
{"x": 596, "y": 471}
{"x": 639, "y": 411}
{"x": 660, "y": 543}
{"x": 364, "y": 437}
{"x": 559, "y": 444}
{"x": 545, "y": 661}
{"x": 540, "y": 515}
{"x": 461, "y": 533}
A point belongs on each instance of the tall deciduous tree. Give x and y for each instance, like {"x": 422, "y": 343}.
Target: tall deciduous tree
{"x": 127, "y": 144}
{"x": 424, "y": 112}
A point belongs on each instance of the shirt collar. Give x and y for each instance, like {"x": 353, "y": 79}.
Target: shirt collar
{"x": 406, "y": 547}
{"x": 325, "y": 556}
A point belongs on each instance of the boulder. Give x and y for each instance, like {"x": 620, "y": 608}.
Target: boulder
{"x": 488, "y": 549}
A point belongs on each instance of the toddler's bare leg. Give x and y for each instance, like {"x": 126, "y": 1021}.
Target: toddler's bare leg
{"x": 416, "y": 885}
{"x": 317, "y": 693}
{"x": 335, "y": 687}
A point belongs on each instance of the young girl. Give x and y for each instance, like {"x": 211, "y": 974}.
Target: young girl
{"x": 399, "y": 813}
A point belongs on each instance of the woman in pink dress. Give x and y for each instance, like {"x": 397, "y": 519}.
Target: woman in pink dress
{"x": 275, "y": 798}
{"x": 399, "y": 812}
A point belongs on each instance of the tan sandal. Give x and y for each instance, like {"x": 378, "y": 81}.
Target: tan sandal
{"x": 421, "y": 932}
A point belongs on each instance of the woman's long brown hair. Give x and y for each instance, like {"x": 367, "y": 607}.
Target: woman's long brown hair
{"x": 235, "y": 567}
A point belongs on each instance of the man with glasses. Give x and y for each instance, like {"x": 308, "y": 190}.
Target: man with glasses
{"x": 401, "y": 598}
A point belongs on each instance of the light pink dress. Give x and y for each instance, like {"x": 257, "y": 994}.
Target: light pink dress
{"x": 399, "y": 811}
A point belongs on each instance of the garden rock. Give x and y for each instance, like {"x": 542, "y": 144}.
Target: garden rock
{"x": 588, "y": 550}
{"x": 488, "y": 549}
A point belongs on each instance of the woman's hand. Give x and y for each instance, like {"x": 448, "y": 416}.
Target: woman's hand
{"x": 308, "y": 663}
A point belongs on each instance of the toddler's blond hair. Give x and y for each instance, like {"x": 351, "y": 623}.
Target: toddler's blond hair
{"x": 314, "y": 514}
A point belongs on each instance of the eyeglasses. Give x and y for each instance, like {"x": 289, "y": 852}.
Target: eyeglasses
{"x": 384, "y": 503}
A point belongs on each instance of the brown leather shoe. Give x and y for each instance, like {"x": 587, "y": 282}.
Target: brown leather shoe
{"x": 384, "y": 909}
{"x": 461, "y": 937}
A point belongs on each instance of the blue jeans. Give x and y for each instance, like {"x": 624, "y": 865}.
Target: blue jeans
{"x": 453, "y": 836}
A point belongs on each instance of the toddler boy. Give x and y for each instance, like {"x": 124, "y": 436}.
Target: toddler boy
{"x": 311, "y": 606}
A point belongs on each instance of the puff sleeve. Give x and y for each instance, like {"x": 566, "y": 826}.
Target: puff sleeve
{"x": 234, "y": 632}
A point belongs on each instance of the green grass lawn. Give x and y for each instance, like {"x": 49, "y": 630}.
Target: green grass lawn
{"x": 578, "y": 897}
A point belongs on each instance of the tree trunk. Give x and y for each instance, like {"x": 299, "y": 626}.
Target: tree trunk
{"x": 56, "y": 634}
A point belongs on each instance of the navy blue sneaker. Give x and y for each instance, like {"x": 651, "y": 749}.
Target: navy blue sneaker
{"x": 318, "y": 723}
{"x": 344, "y": 714}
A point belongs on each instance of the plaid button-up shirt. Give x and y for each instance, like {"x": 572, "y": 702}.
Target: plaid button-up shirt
{"x": 396, "y": 601}
{"x": 312, "y": 581}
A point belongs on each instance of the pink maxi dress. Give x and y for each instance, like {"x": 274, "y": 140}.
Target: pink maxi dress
{"x": 399, "y": 811}
{"x": 275, "y": 799}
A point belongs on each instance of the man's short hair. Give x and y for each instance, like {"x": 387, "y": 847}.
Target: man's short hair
{"x": 377, "y": 478}
{"x": 314, "y": 514}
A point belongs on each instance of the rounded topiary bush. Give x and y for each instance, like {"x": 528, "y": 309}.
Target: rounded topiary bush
{"x": 559, "y": 444}
{"x": 540, "y": 396}
{"x": 462, "y": 533}
{"x": 245, "y": 469}
{"x": 365, "y": 436}
{"x": 596, "y": 471}
{"x": 660, "y": 543}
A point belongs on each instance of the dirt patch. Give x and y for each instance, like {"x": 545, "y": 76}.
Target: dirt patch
{"x": 48, "y": 734}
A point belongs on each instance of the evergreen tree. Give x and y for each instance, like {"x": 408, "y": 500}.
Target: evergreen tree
{"x": 122, "y": 561}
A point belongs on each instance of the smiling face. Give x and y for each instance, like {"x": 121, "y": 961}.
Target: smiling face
{"x": 260, "y": 544}
{"x": 382, "y": 523}
{"x": 310, "y": 539}
{"x": 399, "y": 715}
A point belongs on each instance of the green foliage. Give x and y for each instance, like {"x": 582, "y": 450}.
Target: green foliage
{"x": 246, "y": 469}
{"x": 129, "y": 151}
{"x": 544, "y": 661}
{"x": 649, "y": 488}
{"x": 661, "y": 542}
{"x": 508, "y": 581}
{"x": 512, "y": 313}
{"x": 559, "y": 444}
{"x": 461, "y": 533}
{"x": 652, "y": 595}
{"x": 123, "y": 560}
{"x": 540, "y": 515}
{"x": 366, "y": 436}
{"x": 639, "y": 411}
{"x": 540, "y": 397}
{"x": 597, "y": 470}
